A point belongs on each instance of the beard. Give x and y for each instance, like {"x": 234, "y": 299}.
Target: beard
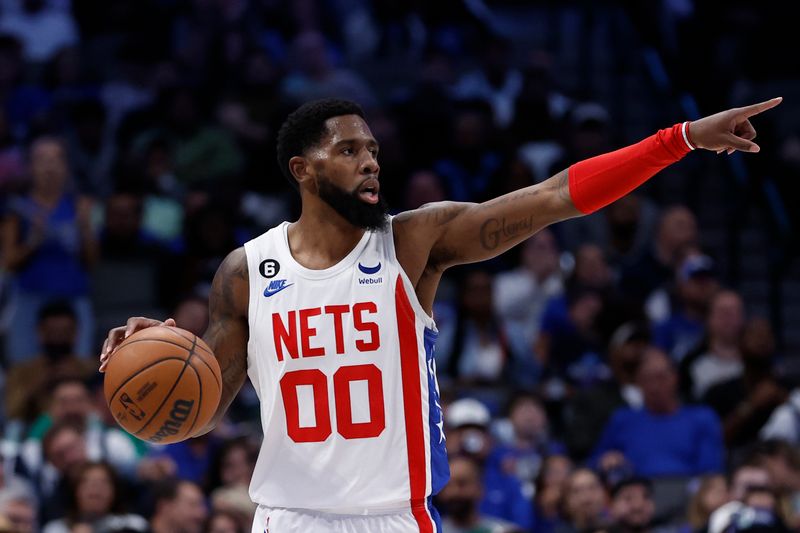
{"x": 354, "y": 210}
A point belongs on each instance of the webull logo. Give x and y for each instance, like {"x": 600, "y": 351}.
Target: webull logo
{"x": 180, "y": 412}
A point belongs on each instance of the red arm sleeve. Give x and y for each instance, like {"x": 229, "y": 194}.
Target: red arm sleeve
{"x": 594, "y": 183}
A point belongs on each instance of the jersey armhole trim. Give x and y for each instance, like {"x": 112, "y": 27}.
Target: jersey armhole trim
{"x": 410, "y": 290}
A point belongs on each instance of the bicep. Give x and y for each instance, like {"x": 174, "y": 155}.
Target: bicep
{"x": 228, "y": 332}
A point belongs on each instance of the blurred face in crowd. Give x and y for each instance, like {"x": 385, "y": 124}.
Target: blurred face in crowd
{"x": 48, "y": 166}
{"x": 585, "y": 498}
{"x": 222, "y": 523}
{"x": 758, "y": 341}
{"x": 712, "y": 494}
{"x": 591, "y": 268}
{"x": 762, "y": 499}
{"x": 677, "y": 230}
{"x": 424, "y": 187}
{"x": 473, "y": 441}
{"x": 550, "y": 485}
{"x": 459, "y": 498}
{"x": 95, "y": 491}
{"x": 633, "y": 507}
{"x": 583, "y": 311}
{"x": 57, "y": 336}
{"x": 476, "y": 297}
{"x": 66, "y": 449}
{"x": 540, "y": 254}
{"x": 658, "y": 381}
{"x": 187, "y": 512}
{"x": 726, "y": 318}
{"x": 237, "y": 466}
{"x": 747, "y": 477}
{"x": 192, "y": 315}
{"x": 623, "y": 219}
{"x": 72, "y": 401}
{"x": 624, "y": 359}
{"x": 529, "y": 420}
{"x": 21, "y": 514}
{"x": 697, "y": 291}
{"x": 123, "y": 216}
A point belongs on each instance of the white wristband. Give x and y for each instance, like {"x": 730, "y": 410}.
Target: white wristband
{"x": 684, "y": 130}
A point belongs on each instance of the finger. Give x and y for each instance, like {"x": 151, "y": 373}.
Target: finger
{"x": 170, "y": 322}
{"x": 755, "y": 109}
{"x": 114, "y": 337}
{"x": 730, "y": 151}
{"x": 745, "y": 130}
{"x": 136, "y": 323}
{"x": 740, "y": 144}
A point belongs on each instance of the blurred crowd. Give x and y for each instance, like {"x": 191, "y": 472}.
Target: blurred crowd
{"x": 603, "y": 376}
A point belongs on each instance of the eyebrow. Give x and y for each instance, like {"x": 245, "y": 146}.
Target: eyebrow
{"x": 371, "y": 142}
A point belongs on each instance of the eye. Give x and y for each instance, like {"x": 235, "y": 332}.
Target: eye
{"x": 347, "y": 151}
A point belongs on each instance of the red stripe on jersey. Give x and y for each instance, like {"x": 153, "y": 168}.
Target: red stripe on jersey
{"x": 412, "y": 406}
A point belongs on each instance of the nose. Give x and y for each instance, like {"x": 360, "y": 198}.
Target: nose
{"x": 369, "y": 164}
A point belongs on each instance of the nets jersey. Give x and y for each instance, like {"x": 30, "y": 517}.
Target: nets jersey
{"x": 342, "y": 361}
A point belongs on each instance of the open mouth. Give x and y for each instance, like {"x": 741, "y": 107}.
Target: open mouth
{"x": 369, "y": 191}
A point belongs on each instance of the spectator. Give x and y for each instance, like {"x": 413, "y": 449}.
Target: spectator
{"x": 529, "y": 440}
{"x": 664, "y": 438}
{"x": 719, "y": 358}
{"x": 472, "y": 160}
{"x": 475, "y": 349}
{"x": 784, "y": 422}
{"x": 588, "y": 411}
{"x": 745, "y": 403}
{"x": 26, "y": 390}
{"x": 585, "y": 503}
{"x": 782, "y": 461}
{"x": 467, "y": 421}
{"x": 47, "y": 242}
{"x": 424, "y": 186}
{"x": 459, "y": 500}
{"x": 18, "y": 506}
{"x": 496, "y": 82}
{"x": 201, "y": 152}
{"x": 179, "y": 507}
{"x": 521, "y": 294}
{"x": 744, "y": 477}
{"x": 71, "y": 405}
{"x": 632, "y": 506}
{"x": 223, "y": 522}
{"x": 229, "y": 479}
{"x": 95, "y": 498}
{"x": 695, "y": 286}
{"x": 123, "y": 236}
{"x": 188, "y": 459}
{"x": 570, "y": 350}
{"x": 652, "y": 270}
{"x": 550, "y": 484}
{"x": 315, "y": 75}
{"x": 711, "y": 494}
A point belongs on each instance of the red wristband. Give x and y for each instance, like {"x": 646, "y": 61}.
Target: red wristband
{"x": 599, "y": 181}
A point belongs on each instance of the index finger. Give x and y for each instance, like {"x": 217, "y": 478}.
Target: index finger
{"x": 755, "y": 109}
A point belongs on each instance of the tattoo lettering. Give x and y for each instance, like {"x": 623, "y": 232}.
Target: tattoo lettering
{"x": 495, "y": 232}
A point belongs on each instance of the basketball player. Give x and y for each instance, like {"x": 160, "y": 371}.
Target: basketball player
{"x": 330, "y": 316}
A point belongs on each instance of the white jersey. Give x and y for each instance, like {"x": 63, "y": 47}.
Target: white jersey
{"x": 342, "y": 361}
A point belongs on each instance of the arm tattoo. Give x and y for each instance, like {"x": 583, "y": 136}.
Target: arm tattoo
{"x": 560, "y": 184}
{"x": 495, "y": 232}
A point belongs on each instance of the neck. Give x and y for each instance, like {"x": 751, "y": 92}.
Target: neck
{"x": 666, "y": 408}
{"x": 469, "y": 520}
{"x": 724, "y": 348}
{"x": 159, "y": 525}
{"x": 321, "y": 237}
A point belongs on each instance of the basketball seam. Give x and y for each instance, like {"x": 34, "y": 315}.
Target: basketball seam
{"x": 199, "y": 402}
{"x": 218, "y": 382}
{"x": 175, "y": 384}
{"x": 173, "y": 330}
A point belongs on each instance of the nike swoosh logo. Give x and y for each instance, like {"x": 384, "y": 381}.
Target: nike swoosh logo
{"x": 268, "y": 292}
{"x": 369, "y": 270}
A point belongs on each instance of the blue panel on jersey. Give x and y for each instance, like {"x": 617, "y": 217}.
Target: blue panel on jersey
{"x": 440, "y": 469}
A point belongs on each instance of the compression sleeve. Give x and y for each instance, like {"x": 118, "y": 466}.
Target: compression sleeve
{"x": 596, "y": 182}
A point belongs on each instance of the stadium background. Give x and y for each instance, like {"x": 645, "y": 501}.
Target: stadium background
{"x": 160, "y": 117}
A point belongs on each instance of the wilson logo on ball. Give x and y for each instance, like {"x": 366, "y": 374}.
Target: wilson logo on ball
{"x": 181, "y": 410}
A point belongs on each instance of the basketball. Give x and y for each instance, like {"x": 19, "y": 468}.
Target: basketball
{"x": 162, "y": 384}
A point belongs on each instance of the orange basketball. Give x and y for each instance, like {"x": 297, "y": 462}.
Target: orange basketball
{"x": 162, "y": 384}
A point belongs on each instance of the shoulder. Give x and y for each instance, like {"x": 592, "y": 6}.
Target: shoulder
{"x": 234, "y": 266}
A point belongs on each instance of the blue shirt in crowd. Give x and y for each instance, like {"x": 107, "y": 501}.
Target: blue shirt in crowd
{"x": 687, "y": 442}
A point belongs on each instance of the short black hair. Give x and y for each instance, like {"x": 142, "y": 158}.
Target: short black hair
{"x": 305, "y": 127}
{"x": 56, "y": 308}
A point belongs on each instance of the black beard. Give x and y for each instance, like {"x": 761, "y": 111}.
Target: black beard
{"x": 354, "y": 210}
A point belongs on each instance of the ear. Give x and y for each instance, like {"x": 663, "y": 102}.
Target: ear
{"x": 300, "y": 169}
